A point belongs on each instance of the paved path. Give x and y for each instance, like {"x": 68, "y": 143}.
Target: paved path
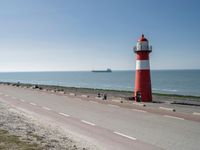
{"x": 109, "y": 126}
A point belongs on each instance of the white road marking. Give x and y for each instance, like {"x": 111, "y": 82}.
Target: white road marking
{"x": 113, "y": 105}
{"x": 130, "y": 137}
{"x": 6, "y": 95}
{"x": 72, "y": 94}
{"x": 93, "y": 102}
{"x": 165, "y": 108}
{"x": 86, "y": 122}
{"x": 46, "y": 108}
{"x": 66, "y": 115}
{"x": 174, "y": 117}
{"x": 139, "y": 104}
{"x": 14, "y": 97}
{"x": 22, "y": 100}
{"x": 86, "y": 96}
{"x": 99, "y": 98}
{"x": 139, "y": 110}
{"x": 33, "y": 104}
{"x": 196, "y": 113}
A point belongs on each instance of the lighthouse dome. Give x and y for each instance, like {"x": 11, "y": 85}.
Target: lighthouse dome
{"x": 142, "y": 39}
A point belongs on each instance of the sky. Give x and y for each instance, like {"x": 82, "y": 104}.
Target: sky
{"x": 76, "y": 35}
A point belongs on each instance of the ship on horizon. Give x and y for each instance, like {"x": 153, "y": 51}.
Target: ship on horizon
{"x": 99, "y": 71}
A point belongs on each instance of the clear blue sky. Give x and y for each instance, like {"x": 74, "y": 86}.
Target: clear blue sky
{"x": 44, "y": 35}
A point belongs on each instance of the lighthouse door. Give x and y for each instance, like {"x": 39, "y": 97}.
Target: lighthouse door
{"x": 138, "y": 96}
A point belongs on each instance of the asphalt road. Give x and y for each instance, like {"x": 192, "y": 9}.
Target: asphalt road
{"x": 110, "y": 127}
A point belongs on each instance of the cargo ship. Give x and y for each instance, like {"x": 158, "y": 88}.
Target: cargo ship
{"x": 99, "y": 71}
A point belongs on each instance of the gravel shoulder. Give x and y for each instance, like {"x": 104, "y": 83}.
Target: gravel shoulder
{"x": 18, "y": 131}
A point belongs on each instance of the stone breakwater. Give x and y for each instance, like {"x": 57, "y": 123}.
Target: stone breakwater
{"x": 15, "y": 123}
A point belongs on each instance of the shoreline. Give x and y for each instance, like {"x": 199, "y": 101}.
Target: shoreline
{"x": 94, "y": 90}
{"x": 112, "y": 95}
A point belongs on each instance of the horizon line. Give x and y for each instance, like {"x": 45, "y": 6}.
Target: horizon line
{"x": 22, "y": 71}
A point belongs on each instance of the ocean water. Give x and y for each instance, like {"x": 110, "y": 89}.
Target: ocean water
{"x": 184, "y": 82}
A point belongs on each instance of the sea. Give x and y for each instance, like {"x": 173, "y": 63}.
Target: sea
{"x": 182, "y": 82}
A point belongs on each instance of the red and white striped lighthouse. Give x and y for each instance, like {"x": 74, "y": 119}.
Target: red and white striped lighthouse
{"x": 142, "y": 90}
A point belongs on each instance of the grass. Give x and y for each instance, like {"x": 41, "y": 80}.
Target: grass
{"x": 8, "y": 142}
{"x": 176, "y": 95}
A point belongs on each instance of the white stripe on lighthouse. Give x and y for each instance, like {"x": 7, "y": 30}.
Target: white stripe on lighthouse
{"x": 142, "y": 65}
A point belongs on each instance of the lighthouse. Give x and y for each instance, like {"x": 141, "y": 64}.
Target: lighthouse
{"x": 142, "y": 91}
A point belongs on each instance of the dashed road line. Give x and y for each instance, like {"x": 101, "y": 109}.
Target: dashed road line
{"x": 46, "y": 108}
{"x": 113, "y": 105}
{"x": 139, "y": 110}
{"x": 139, "y": 104}
{"x": 85, "y": 96}
{"x": 6, "y": 95}
{"x": 124, "y": 135}
{"x": 196, "y": 113}
{"x": 168, "y": 109}
{"x": 66, "y": 115}
{"x": 72, "y": 94}
{"x": 89, "y": 123}
{"x": 174, "y": 117}
{"x": 93, "y": 102}
{"x": 22, "y": 100}
{"x": 33, "y": 104}
{"x": 14, "y": 97}
{"x": 99, "y": 98}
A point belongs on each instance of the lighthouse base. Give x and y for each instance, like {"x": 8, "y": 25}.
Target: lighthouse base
{"x": 143, "y": 91}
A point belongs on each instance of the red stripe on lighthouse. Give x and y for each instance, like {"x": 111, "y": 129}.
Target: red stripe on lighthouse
{"x": 144, "y": 55}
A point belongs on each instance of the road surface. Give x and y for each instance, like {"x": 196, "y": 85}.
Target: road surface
{"x": 110, "y": 127}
